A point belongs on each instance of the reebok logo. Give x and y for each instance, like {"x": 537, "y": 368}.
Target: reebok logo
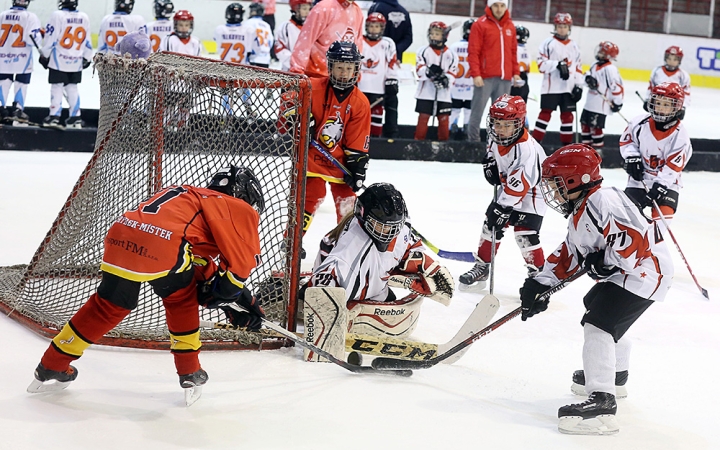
{"x": 389, "y": 312}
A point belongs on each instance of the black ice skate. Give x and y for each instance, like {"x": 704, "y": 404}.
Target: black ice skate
{"x": 74, "y": 122}
{"x": 474, "y": 280}
{"x": 47, "y": 380}
{"x": 53, "y": 122}
{"x": 578, "y": 386}
{"x": 192, "y": 384}
{"x": 596, "y": 415}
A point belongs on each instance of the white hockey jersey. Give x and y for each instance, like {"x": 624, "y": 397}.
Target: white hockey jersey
{"x": 610, "y": 85}
{"x": 116, "y": 25}
{"x": 608, "y": 219}
{"x": 232, "y": 42}
{"x": 285, "y": 38}
{"x": 662, "y": 75}
{"x": 355, "y": 263}
{"x": 664, "y": 153}
{"x": 520, "y": 168}
{"x": 552, "y": 51}
{"x": 19, "y": 28}
{"x": 157, "y": 31}
{"x": 463, "y": 87}
{"x": 379, "y": 63}
{"x": 260, "y": 40}
{"x": 67, "y": 40}
{"x": 172, "y": 43}
{"x": 523, "y": 57}
{"x": 447, "y": 60}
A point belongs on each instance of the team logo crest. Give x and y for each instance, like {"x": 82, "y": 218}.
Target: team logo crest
{"x": 396, "y": 18}
{"x": 370, "y": 64}
{"x": 332, "y": 131}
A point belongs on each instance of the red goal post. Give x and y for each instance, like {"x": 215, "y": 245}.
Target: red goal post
{"x": 174, "y": 119}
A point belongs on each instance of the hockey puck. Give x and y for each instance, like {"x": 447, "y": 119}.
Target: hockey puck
{"x": 355, "y": 359}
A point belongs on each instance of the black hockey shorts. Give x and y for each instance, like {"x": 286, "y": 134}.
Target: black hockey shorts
{"x": 638, "y": 196}
{"x": 372, "y": 98}
{"x": 124, "y": 293}
{"x": 458, "y": 103}
{"x": 526, "y": 220}
{"x": 552, "y": 101}
{"x": 428, "y": 107}
{"x": 592, "y": 119}
{"x": 612, "y": 308}
{"x": 55, "y": 77}
{"x": 19, "y": 77}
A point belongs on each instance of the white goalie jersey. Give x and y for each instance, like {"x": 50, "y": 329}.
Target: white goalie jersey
{"x": 232, "y": 42}
{"x": 607, "y": 219}
{"x": 664, "y": 153}
{"x": 520, "y": 168}
{"x": 19, "y": 28}
{"x": 463, "y": 87}
{"x": 379, "y": 63}
{"x": 610, "y": 85}
{"x": 448, "y": 62}
{"x": 114, "y": 26}
{"x": 285, "y": 38}
{"x": 552, "y": 51}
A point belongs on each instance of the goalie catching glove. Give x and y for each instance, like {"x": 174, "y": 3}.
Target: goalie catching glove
{"x": 421, "y": 274}
{"x": 241, "y": 308}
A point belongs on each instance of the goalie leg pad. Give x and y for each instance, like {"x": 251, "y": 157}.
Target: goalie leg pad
{"x": 325, "y": 319}
{"x": 397, "y": 318}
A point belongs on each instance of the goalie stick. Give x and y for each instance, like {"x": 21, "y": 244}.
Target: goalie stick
{"x": 456, "y": 256}
{"x": 396, "y": 364}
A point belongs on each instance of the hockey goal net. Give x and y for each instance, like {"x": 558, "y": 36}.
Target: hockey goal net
{"x": 170, "y": 120}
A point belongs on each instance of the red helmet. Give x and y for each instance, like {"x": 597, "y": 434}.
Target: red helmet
{"x": 441, "y": 26}
{"x": 675, "y": 51}
{"x": 295, "y": 10}
{"x": 375, "y": 17}
{"x": 183, "y": 14}
{"x": 563, "y": 19}
{"x": 573, "y": 168}
{"x": 295, "y": 3}
{"x": 606, "y": 50}
{"x": 660, "y": 109}
{"x": 507, "y": 108}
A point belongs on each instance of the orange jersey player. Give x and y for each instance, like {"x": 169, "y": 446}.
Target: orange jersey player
{"x": 171, "y": 241}
{"x": 341, "y": 115}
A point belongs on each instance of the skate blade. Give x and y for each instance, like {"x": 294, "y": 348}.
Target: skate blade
{"x": 579, "y": 389}
{"x": 38, "y": 387}
{"x": 475, "y": 288}
{"x": 598, "y": 426}
{"x": 192, "y": 394}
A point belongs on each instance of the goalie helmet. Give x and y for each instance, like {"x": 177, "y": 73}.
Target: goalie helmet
{"x": 381, "y": 211}
{"x": 375, "y": 18}
{"x": 522, "y": 34}
{"x": 125, "y": 6}
{"x": 256, "y": 9}
{"x": 234, "y": 13}
{"x": 241, "y": 183}
{"x": 68, "y": 4}
{"x": 666, "y": 100}
{"x": 573, "y": 168}
{"x": 295, "y": 6}
{"x": 21, "y": 3}
{"x": 467, "y": 26}
{"x": 676, "y": 51}
{"x": 435, "y": 39}
{"x": 183, "y": 15}
{"x": 506, "y": 120}
{"x": 163, "y": 9}
{"x": 606, "y": 51}
{"x": 343, "y": 52}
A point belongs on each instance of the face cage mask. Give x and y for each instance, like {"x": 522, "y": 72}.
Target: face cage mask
{"x": 519, "y": 127}
{"x": 376, "y": 231}
{"x": 555, "y": 193}
{"x": 342, "y": 83}
{"x": 659, "y": 117}
{"x": 184, "y": 34}
{"x": 374, "y": 36}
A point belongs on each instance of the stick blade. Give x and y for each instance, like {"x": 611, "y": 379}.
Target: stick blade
{"x": 456, "y": 256}
{"x": 479, "y": 319}
{"x": 705, "y": 293}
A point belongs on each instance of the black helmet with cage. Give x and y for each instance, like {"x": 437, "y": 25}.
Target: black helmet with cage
{"x": 381, "y": 211}
{"x": 240, "y": 182}
{"x": 164, "y": 9}
{"x": 234, "y": 13}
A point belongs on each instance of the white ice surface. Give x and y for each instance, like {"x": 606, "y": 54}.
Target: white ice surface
{"x": 503, "y": 394}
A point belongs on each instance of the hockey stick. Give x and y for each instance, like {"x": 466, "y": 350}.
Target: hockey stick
{"x": 395, "y": 364}
{"x": 377, "y": 101}
{"x": 606, "y": 99}
{"x": 703, "y": 291}
{"x": 456, "y": 256}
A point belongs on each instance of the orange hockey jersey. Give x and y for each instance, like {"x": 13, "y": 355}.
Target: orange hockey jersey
{"x": 178, "y": 224}
{"x": 339, "y": 126}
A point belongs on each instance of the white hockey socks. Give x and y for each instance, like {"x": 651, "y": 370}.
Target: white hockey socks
{"x": 598, "y": 360}
{"x": 5, "y": 91}
{"x": 56, "y": 96}
{"x": 73, "y": 99}
{"x": 20, "y": 94}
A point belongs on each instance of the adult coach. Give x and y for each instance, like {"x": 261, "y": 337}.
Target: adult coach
{"x": 492, "y": 54}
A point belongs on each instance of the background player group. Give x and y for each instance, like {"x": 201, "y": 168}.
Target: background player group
{"x": 623, "y": 250}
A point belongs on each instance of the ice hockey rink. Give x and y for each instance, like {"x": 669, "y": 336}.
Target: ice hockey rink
{"x": 503, "y": 394}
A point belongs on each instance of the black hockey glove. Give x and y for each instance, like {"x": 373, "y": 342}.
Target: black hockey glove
{"x": 86, "y": 63}
{"x": 497, "y": 216}
{"x": 442, "y": 82}
{"x": 634, "y": 167}
{"x": 591, "y": 82}
{"x": 44, "y": 61}
{"x": 391, "y": 86}
{"x": 680, "y": 115}
{"x": 576, "y": 94}
{"x": 529, "y": 293}
{"x": 564, "y": 70}
{"x": 614, "y": 107}
{"x": 356, "y": 163}
{"x": 596, "y": 268}
{"x": 655, "y": 193}
{"x": 645, "y": 106}
{"x": 490, "y": 170}
{"x": 434, "y": 71}
{"x": 211, "y": 296}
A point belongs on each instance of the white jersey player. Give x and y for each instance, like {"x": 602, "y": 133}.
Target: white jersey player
{"x": 259, "y": 37}
{"x": 605, "y": 94}
{"x": 231, "y": 38}
{"x": 161, "y": 26}
{"x": 671, "y": 72}
{"x": 512, "y": 163}
{"x": 372, "y": 249}
{"x": 181, "y": 39}
{"x": 610, "y": 238}
{"x": 287, "y": 33}
{"x": 656, "y": 149}
{"x": 20, "y": 34}
{"x": 116, "y": 25}
{"x": 462, "y": 90}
